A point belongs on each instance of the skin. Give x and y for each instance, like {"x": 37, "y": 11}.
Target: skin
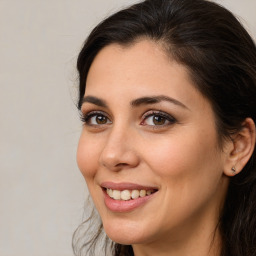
{"x": 182, "y": 158}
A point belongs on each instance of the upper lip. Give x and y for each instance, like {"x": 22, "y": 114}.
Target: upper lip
{"x": 126, "y": 186}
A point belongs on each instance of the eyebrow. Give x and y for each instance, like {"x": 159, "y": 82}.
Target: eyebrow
{"x": 156, "y": 99}
{"x": 96, "y": 101}
{"x": 137, "y": 102}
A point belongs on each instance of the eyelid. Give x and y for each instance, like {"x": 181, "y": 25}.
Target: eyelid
{"x": 165, "y": 115}
{"x": 85, "y": 116}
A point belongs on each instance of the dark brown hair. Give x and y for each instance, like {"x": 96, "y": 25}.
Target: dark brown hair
{"x": 221, "y": 59}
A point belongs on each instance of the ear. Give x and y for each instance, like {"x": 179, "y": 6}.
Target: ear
{"x": 240, "y": 148}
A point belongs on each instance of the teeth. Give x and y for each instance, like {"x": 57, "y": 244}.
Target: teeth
{"x": 110, "y": 192}
{"x": 135, "y": 194}
{"x": 116, "y": 194}
{"x": 125, "y": 195}
{"x": 143, "y": 193}
{"x": 128, "y": 194}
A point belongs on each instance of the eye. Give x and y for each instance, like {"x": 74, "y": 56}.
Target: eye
{"x": 157, "y": 119}
{"x": 95, "y": 118}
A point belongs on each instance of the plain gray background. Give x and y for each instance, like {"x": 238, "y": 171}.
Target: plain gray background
{"x": 42, "y": 192}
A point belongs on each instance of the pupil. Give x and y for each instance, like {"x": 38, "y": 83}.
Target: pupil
{"x": 101, "y": 119}
{"x": 158, "y": 120}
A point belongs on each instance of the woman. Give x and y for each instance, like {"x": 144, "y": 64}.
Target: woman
{"x": 167, "y": 96}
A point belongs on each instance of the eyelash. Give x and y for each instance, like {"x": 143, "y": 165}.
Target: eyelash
{"x": 166, "y": 117}
{"x": 86, "y": 118}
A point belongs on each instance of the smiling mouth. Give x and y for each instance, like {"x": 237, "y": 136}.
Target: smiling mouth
{"x": 126, "y": 195}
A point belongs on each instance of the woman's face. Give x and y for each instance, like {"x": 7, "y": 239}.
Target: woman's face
{"x": 149, "y": 148}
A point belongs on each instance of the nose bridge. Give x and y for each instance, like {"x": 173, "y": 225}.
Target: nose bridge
{"x": 119, "y": 148}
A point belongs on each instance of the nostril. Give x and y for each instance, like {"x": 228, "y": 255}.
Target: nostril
{"x": 122, "y": 164}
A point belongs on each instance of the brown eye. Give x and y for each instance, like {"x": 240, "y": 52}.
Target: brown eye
{"x": 95, "y": 118}
{"x": 159, "y": 120}
{"x": 100, "y": 119}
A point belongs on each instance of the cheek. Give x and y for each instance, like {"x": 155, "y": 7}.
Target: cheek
{"x": 189, "y": 168}
{"x": 87, "y": 157}
{"x": 191, "y": 154}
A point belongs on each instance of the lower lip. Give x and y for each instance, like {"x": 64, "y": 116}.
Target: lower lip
{"x": 125, "y": 206}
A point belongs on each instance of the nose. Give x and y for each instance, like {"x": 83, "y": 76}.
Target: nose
{"x": 119, "y": 151}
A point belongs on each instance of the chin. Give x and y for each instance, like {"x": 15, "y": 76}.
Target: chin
{"x": 126, "y": 234}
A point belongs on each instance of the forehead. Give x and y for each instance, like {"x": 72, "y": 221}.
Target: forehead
{"x": 141, "y": 68}
{"x": 141, "y": 60}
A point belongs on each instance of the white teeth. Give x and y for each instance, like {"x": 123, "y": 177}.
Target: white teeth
{"x": 135, "y": 194}
{"x": 125, "y": 195}
{"x": 116, "y": 194}
{"x": 110, "y": 192}
{"x": 128, "y": 194}
{"x": 142, "y": 193}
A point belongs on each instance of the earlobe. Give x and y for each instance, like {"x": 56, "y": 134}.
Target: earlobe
{"x": 240, "y": 149}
